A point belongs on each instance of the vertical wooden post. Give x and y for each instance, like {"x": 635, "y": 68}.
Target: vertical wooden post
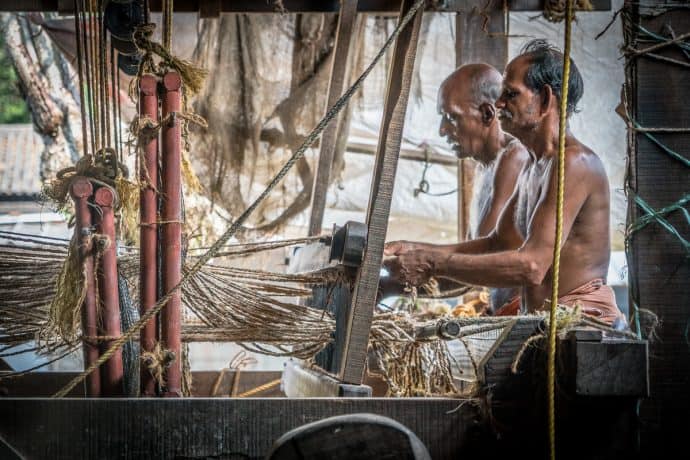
{"x": 148, "y": 231}
{"x": 354, "y": 351}
{"x": 346, "y": 25}
{"x": 81, "y": 190}
{"x": 476, "y": 41}
{"x": 658, "y": 261}
{"x": 112, "y": 371}
{"x": 171, "y": 216}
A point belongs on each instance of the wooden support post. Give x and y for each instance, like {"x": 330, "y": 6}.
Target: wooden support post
{"x": 81, "y": 190}
{"x": 341, "y": 51}
{"x": 209, "y": 8}
{"x": 364, "y": 295}
{"x": 658, "y": 262}
{"x": 148, "y": 231}
{"x": 112, "y": 373}
{"x": 171, "y": 216}
{"x": 477, "y": 40}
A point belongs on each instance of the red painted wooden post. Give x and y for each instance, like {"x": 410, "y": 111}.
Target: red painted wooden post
{"x": 81, "y": 189}
{"x": 148, "y": 231}
{"x": 171, "y": 216}
{"x": 111, "y": 371}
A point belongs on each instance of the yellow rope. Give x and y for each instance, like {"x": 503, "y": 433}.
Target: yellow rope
{"x": 259, "y": 389}
{"x": 551, "y": 379}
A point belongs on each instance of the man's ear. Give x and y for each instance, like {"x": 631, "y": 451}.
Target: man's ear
{"x": 546, "y": 96}
{"x": 488, "y": 112}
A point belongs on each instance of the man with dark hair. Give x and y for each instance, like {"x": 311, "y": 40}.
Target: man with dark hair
{"x": 469, "y": 122}
{"x": 520, "y": 251}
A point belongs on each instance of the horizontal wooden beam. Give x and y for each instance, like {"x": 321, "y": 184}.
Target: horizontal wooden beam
{"x": 405, "y": 154}
{"x": 40, "y": 428}
{"x": 290, "y": 6}
{"x": 45, "y": 384}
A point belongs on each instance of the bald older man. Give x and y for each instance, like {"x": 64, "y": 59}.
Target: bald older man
{"x": 469, "y": 122}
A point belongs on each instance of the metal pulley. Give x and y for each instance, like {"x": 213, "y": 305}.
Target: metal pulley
{"x": 121, "y": 18}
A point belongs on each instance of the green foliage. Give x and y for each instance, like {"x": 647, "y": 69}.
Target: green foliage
{"x": 13, "y": 108}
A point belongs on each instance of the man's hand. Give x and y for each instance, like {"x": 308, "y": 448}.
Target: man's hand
{"x": 413, "y": 267}
{"x": 396, "y": 248}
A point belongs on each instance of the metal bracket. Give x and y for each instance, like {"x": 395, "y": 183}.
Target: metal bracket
{"x": 348, "y": 243}
{"x": 301, "y": 382}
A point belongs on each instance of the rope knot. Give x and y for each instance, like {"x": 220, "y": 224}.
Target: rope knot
{"x": 142, "y": 36}
{"x": 101, "y": 242}
{"x": 157, "y": 360}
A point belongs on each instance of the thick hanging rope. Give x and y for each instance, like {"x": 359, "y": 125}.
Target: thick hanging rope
{"x": 551, "y": 375}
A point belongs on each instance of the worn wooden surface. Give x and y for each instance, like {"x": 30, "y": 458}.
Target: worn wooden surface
{"x": 45, "y": 384}
{"x": 390, "y": 137}
{"x": 339, "y": 70}
{"x": 494, "y": 370}
{"x": 610, "y": 368}
{"x": 660, "y": 267}
{"x": 207, "y": 428}
{"x": 335, "y": 298}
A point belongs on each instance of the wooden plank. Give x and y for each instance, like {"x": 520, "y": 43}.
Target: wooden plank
{"x": 45, "y": 384}
{"x": 298, "y": 6}
{"x": 610, "y": 368}
{"x": 209, "y": 428}
{"x": 466, "y": 168}
{"x": 480, "y": 36}
{"x": 494, "y": 369}
{"x": 659, "y": 265}
{"x": 364, "y": 294}
{"x": 339, "y": 71}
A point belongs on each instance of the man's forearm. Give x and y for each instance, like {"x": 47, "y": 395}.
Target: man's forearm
{"x": 478, "y": 246}
{"x": 499, "y": 269}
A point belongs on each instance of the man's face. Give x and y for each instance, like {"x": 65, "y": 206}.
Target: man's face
{"x": 518, "y": 106}
{"x": 460, "y": 120}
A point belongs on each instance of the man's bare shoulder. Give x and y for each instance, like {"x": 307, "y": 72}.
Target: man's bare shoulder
{"x": 580, "y": 159}
{"x": 512, "y": 159}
